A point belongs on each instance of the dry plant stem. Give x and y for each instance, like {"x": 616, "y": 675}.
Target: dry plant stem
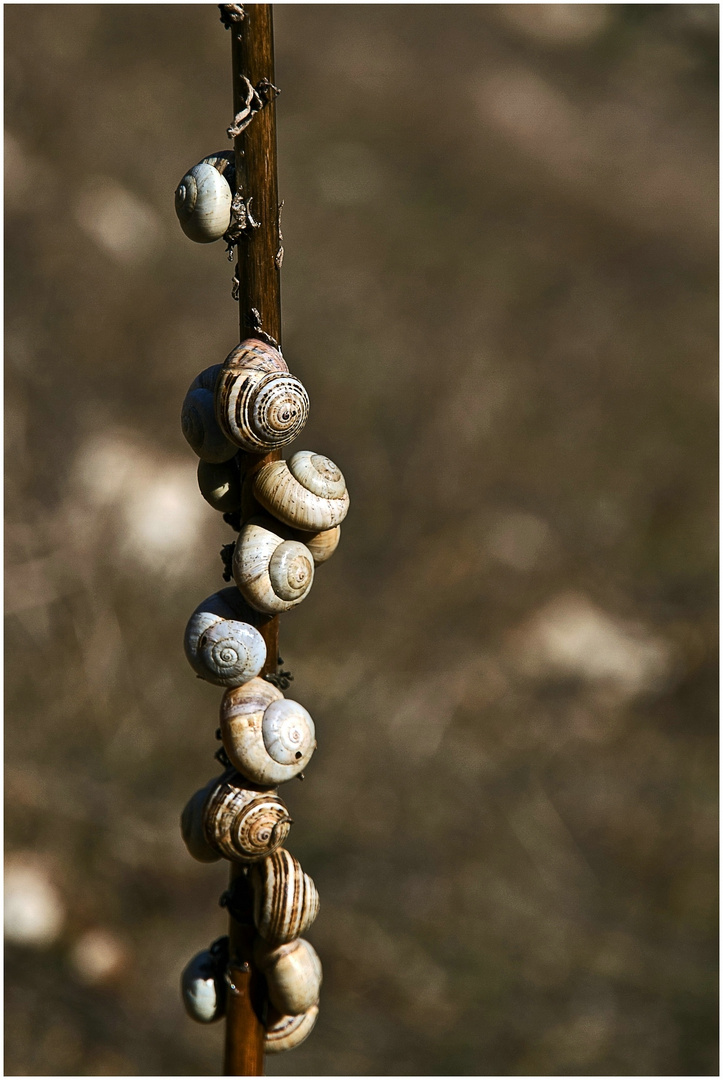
{"x": 252, "y": 52}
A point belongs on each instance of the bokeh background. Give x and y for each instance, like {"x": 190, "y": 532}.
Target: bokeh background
{"x": 500, "y": 291}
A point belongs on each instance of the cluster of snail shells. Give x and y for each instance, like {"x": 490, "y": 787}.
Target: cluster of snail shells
{"x": 251, "y": 403}
{"x": 286, "y": 903}
{"x": 290, "y": 517}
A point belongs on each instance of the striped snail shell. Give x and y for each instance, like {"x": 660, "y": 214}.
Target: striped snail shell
{"x": 203, "y": 200}
{"x": 236, "y": 820}
{"x": 287, "y": 1032}
{"x": 307, "y": 492}
{"x": 222, "y": 642}
{"x": 268, "y": 738}
{"x": 273, "y": 573}
{"x": 260, "y": 406}
{"x": 203, "y": 986}
{"x": 198, "y": 420}
{"x": 293, "y": 974}
{"x": 220, "y": 485}
{"x": 285, "y": 898}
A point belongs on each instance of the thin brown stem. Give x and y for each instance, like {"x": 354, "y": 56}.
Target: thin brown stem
{"x": 258, "y": 264}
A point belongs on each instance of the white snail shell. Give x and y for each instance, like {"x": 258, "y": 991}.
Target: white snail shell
{"x": 307, "y": 492}
{"x": 293, "y": 974}
{"x": 203, "y": 203}
{"x": 273, "y": 573}
{"x": 234, "y": 819}
{"x": 285, "y": 898}
{"x": 287, "y": 1032}
{"x": 203, "y": 988}
{"x": 220, "y": 485}
{"x": 221, "y": 643}
{"x": 260, "y": 406}
{"x": 268, "y": 738}
{"x": 198, "y": 419}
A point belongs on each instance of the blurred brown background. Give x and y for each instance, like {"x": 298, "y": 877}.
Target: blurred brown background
{"x": 500, "y": 291}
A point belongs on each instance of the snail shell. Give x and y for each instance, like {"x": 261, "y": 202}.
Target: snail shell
{"x": 293, "y": 974}
{"x": 198, "y": 420}
{"x": 220, "y": 485}
{"x": 307, "y": 492}
{"x": 285, "y": 898}
{"x": 203, "y": 202}
{"x": 323, "y": 544}
{"x": 192, "y": 826}
{"x": 203, "y": 986}
{"x": 235, "y": 820}
{"x": 260, "y": 406}
{"x": 286, "y": 1032}
{"x": 221, "y": 642}
{"x": 268, "y": 738}
{"x": 272, "y": 573}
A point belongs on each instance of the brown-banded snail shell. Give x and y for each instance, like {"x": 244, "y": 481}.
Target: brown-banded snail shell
{"x": 287, "y": 1032}
{"x": 306, "y": 492}
{"x": 220, "y": 485}
{"x": 203, "y": 200}
{"x": 198, "y": 420}
{"x": 260, "y": 406}
{"x": 293, "y": 974}
{"x": 234, "y": 819}
{"x": 268, "y": 738}
{"x": 285, "y": 898}
{"x": 222, "y": 642}
{"x": 273, "y": 573}
{"x": 203, "y": 985}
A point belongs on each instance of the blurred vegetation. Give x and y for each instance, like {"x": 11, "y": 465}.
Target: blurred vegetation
{"x": 500, "y": 290}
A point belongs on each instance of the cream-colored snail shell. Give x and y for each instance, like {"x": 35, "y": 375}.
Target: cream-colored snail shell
{"x": 287, "y": 1032}
{"x": 323, "y": 544}
{"x": 273, "y": 573}
{"x": 203, "y": 988}
{"x": 234, "y": 819}
{"x": 198, "y": 420}
{"x": 293, "y": 974}
{"x": 285, "y": 898}
{"x": 220, "y": 642}
{"x": 307, "y": 492}
{"x": 203, "y": 203}
{"x": 268, "y": 738}
{"x": 220, "y": 485}
{"x": 260, "y": 406}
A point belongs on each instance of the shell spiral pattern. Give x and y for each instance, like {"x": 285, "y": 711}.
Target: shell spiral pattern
{"x": 273, "y": 574}
{"x": 221, "y": 644}
{"x": 203, "y": 201}
{"x": 240, "y": 822}
{"x": 260, "y": 406}
{"x": 308, "y": 492}
{"x": 268, "y": 738}
{"x": 285, "y": 898}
